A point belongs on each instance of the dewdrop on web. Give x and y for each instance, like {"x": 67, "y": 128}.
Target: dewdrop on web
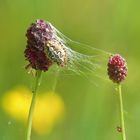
{"x": 47, "y": 46}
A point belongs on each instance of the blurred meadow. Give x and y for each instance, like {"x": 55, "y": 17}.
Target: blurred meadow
{"x": 80, "y": 109}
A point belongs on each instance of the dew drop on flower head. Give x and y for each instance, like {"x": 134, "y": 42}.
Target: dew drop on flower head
{"x": 47, "y": 46}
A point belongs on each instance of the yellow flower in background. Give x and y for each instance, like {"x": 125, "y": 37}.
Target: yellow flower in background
{"x": 48, "y": 111}
{"x": 16, "y": 103}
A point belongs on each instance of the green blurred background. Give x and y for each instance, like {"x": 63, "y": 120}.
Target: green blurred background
{"x": 91, "y": 111}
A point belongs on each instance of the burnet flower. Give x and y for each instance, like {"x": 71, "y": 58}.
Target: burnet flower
{"x": 117, "y": 68}
{"x": 117, "y": 72}
{"x": 44, "y": 47}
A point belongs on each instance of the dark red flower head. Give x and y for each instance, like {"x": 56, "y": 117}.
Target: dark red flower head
{"x": 117, "y": 68}
{"x": 38, "y": 34}
{"x": 44, "y": 46}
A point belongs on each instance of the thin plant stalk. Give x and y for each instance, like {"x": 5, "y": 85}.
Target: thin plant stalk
{"x": 121, "y": 112}
{"x": 32, "y": 106}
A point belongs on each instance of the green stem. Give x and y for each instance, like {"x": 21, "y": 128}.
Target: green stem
{"x": 121, "y": 113}
{"x": 32, "y": 106}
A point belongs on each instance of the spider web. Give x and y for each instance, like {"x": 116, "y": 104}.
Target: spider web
{"x": 84, "y": 60}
